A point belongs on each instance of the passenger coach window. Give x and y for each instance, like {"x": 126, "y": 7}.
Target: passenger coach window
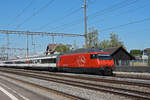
{"x": 93, "y": 56}
{"x": 51, "y": 60}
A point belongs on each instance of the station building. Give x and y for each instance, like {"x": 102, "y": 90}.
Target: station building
{"x": 120, "y": 55}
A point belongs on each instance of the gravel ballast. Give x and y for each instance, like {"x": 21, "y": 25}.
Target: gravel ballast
{"x": 84, "y": 93}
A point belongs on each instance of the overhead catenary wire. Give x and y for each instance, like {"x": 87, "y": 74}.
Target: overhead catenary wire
{"x": 69, "y": 14}
{"x": 116, "y": 6}
{"x": 128, "y": 11}
{"x": 123, "y": 25}
{"x": 65, "y": 16}
{"x": 91, "y": 2}
{"x": 35, "y": 13}
{"x": 21, "y": 13}
{"x": 61, "y": 18}
{"x": 66, "y": 24}
{"x": 121, "y": 14}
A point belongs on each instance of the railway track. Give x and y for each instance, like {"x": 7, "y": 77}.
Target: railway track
{"x": 113, "y": 80}
{"x": 96, "y": 87}
{"x": 59, "y": 94}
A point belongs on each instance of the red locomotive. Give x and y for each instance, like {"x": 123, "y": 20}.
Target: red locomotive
{"x": 89, "y": 61}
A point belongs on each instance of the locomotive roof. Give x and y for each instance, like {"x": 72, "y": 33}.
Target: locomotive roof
{"x": 84, "y": 50}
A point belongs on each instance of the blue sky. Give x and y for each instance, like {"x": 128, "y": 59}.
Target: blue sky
{"x": 66, "y": 16}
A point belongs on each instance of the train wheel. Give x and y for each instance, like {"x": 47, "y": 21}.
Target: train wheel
{"x": 108, "y": 72}
{"x": 53, "y": 69}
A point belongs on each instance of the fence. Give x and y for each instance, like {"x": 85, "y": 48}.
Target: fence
{"x": 132, "y": 63}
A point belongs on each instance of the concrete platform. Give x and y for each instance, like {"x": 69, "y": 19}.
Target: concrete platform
{"x": 133, "y": 75}
{"x": 10, "y": 91}
{"x": 139, "y": 69}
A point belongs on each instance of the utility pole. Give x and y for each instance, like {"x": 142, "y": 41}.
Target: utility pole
{"x": 27, "y": 45}
{"x": 33, "y": 44}
{"x": 85, "y": 21}
{"x": 7, "y": 46}
{"x": 53, "y": 39}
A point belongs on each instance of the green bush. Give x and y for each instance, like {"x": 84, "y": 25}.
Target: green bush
{"x": 136, "y": 52}
{"x": 62, "y": 48}
{"x": 149, "y": 60}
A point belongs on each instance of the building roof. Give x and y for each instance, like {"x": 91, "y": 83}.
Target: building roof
{"x": 52, "y": 46}
{"x": 84, "y": 50}
{"x": 114, "y": 50}
{"x": 147, "y": 49}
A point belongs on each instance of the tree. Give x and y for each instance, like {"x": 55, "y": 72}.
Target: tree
{"x": 62, "y": 48}
{"x": 135, "y": 52}
{"x": 75, "y": 45}
{"x": 92, "y": 38}
{"x": 105, "y": 44}
{"x": 149, "y": 59}
{"x": 113, "y": 42}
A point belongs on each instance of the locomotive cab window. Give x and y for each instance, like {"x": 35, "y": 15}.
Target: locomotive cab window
{"x": 104, "y": 57}
{"x": 93, "y": 56}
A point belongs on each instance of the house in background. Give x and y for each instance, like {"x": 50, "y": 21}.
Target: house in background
{"x": 51, "y": 48}
{"x": 146, "y": 53}
{"x": 57, "y": 48}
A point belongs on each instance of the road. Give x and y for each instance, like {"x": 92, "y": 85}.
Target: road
{"x": 9, "y": 91}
